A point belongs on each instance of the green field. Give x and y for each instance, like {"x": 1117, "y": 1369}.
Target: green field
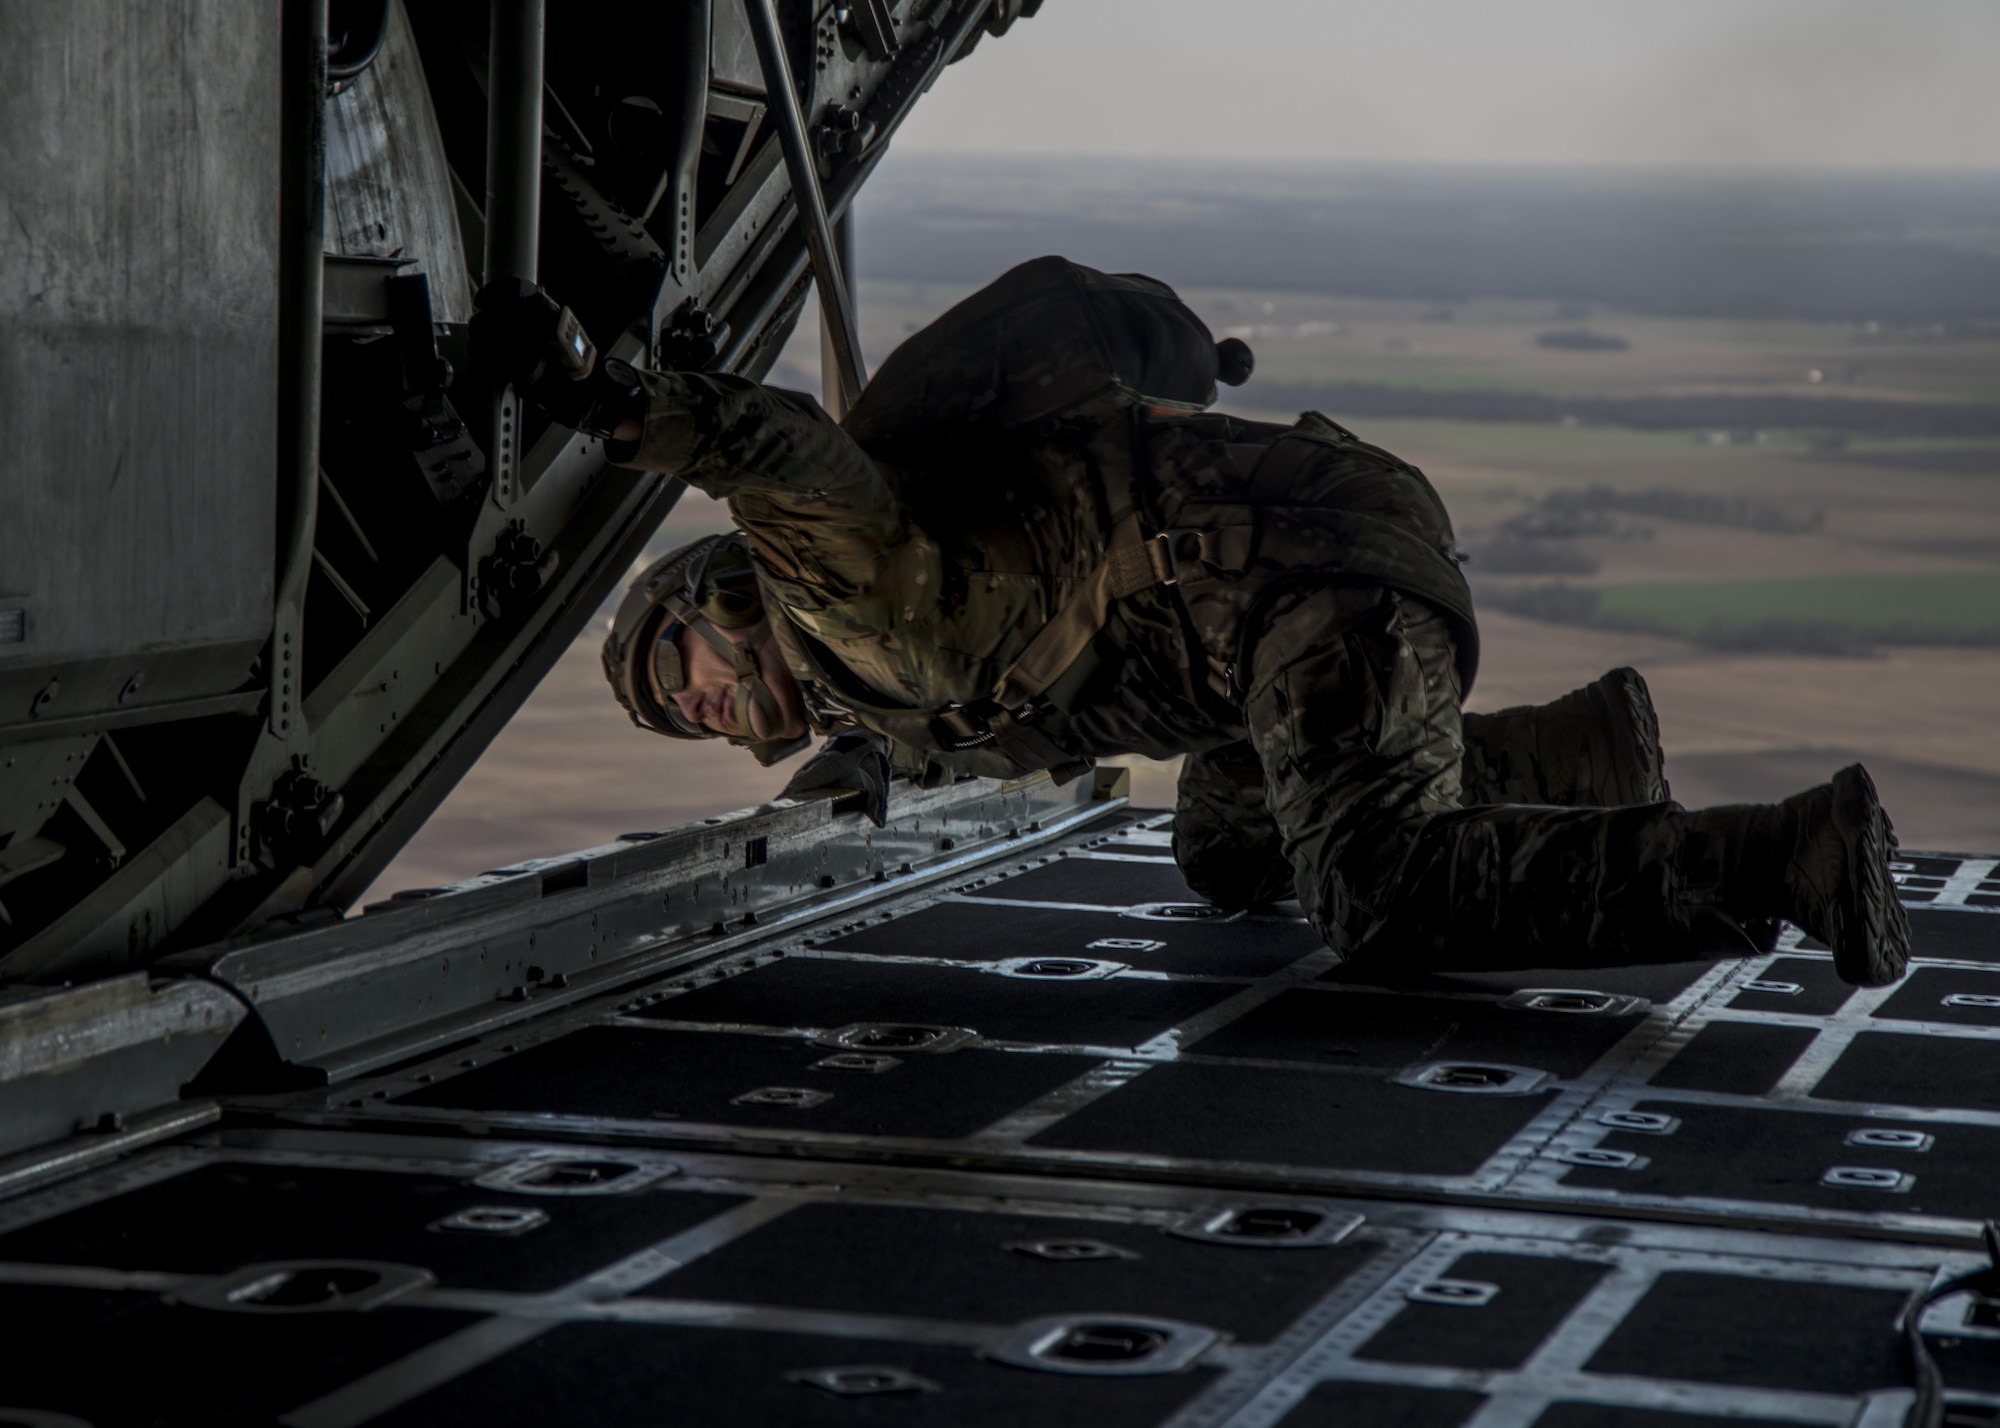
{"x": 1947, "y": 605}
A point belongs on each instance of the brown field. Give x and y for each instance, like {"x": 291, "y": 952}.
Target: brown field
{"x": 570, "y": 771}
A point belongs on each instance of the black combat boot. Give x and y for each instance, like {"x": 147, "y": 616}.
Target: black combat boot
{"x": 1598, "y": 746}
{"x": 1838, "y": 879}
{"x": 1820, "y": 860}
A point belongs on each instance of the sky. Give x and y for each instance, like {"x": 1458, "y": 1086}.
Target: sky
{"x": 1850, "y": 83}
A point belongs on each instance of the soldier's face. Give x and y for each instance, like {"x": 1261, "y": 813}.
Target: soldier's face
{"x": 709, "y": 697}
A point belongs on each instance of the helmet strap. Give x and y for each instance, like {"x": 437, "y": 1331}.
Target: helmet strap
{"x": 751, "y": 690}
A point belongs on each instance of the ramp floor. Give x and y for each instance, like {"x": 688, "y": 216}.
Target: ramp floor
{"x": 1059, "y": 1143}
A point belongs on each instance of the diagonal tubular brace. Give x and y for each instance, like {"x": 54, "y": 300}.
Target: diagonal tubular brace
{"x": 514, "y": 87}
{"x": 827, "y": 277}
{"x": 514, "y": 140}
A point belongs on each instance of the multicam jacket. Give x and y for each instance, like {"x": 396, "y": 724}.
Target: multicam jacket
{"x": 908, "y": 582}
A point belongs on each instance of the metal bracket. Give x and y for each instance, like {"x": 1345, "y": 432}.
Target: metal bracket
{"x": 504, "y": 1220}
{"x": 1068, "y": 1250}
{"x": 1114, "y": 1346}
{"x": 1598, "y": 1158}
{"x": 1473, "y": 1078}
{"x": 1056, "y": 969}
{"x": 1254, "y": 1226}
{"x": 1868, "y": 1177}
{"x": 566, "y": 1174}
{"x": 858, "y": 1061}
{"x": 1914, "y": 1141}
{"x": 791, "y": 1098}
{"x": 894, "y": 1036}
{"x": 1575, "y": 1003}
{"x": 1180, "y": 912}
{"x": 1459, "y": 1293}
{"x": 1640, "y": 1122}
{"x": 307, "y": 1286}
{"x": 858, "y": 1380}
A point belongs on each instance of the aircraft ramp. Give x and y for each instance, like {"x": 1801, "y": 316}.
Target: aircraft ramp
{"x": 983, "y": 1118}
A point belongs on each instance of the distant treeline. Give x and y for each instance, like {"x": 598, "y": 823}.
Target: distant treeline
{"x": 1820, "y": 246}
{"x": 1584, "y": 511}
{"x": 1537, "y": 541}
{"x": 1560, "y": 603}
{"x": 1849, "y": 416}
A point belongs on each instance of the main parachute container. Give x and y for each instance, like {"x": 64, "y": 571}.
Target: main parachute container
{"x": 1046, "y": 340}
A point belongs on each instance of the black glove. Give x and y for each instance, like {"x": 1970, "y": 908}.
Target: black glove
{"x": 522, "y": 339}
{"x": 854, "y": 763}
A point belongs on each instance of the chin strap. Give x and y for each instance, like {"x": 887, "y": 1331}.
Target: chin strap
{"x": 751, "y": 690}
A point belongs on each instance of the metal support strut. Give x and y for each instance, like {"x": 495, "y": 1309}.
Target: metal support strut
{"x": 514, "y": 139}
{"x": 302, "y": 285}
{"x": 831, "y": 394}
{"x": 513, "y": 198}
{"x": 800, "y": 168}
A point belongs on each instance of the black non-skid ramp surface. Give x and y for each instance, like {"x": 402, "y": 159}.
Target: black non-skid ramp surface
{"x": 1247, "y": 1115}
{"x": 216, "y": 1217}
{"x": 1094, "y": 882}
{"x": 1736, "y": 1153}
{"x": 1059, "y": 1143}
{"x": 137, "y": 1358}
{"x": 983, "y": 1265}
{"x": 645, "y": 1373}
{"x": 1047, "y": 1006}
{"x": 630, "y": 1073}
{"x": 881, "y": 1295}
{"x": 1014, "y": 1019}
{"x": 968, "y": 931}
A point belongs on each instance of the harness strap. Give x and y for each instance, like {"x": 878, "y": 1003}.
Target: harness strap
{"x": 1131, "y": 564}
{"x": 1257, "y": 524}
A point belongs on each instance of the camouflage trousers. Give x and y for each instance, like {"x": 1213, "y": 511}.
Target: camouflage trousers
{"x": 1357, "y": 793}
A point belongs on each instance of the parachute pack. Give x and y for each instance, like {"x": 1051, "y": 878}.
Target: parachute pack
{"x": 1047, "y": 340}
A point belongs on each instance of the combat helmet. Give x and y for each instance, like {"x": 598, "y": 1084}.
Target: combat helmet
{"x": 707, "y": 586}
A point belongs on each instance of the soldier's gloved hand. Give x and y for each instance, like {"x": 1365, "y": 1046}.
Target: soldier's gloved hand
{"x": 857, "y": 763}
{"x": 523, "y": 339}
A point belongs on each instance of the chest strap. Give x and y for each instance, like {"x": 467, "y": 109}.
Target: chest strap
{"x": 1133, "y": 562}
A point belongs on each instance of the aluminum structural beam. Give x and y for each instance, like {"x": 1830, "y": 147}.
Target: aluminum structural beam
{"x": 832, "y": 396}
{"x": 302, "y": 293}
{"x": 513, "y": 203}
{"x": 800, "y": 168}
{"x": 514, "y": 140}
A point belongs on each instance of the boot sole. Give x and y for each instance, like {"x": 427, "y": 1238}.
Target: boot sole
{"x": 1871, "y": 938}
{"x": 1623, "y": 707}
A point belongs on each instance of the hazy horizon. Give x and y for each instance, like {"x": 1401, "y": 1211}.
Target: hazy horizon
{"x": 1744, "y": 170}
{"x": 1821, "y": 83}
{"x": 1895, "y": 244}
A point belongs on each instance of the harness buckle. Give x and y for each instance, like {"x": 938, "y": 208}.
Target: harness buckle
{"x": 1175, "y": 546}
{"x": 962, "y": 727}
{"x": 959, "y": 728}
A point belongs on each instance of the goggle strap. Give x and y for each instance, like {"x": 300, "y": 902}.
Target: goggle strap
{"x": 753, "y": 691}
{"x": 717, "y": 641}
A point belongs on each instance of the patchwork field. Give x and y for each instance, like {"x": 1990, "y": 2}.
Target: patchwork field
{"x": 1937, "y": 605}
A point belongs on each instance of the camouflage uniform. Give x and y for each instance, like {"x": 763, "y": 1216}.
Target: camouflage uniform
{"x": 1310, "y": 661}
